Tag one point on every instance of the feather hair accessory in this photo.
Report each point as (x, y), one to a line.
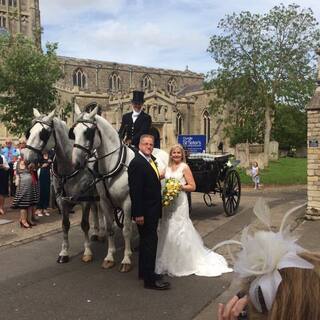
(263, 254)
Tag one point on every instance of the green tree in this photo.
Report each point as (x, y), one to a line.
(265, 60)
(27, 79)
(289, 127)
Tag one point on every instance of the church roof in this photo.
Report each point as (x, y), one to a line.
(134, 68)
(190, 88)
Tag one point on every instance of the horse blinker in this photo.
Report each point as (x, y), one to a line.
(71, 134)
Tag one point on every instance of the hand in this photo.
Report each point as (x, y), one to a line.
(139, 220)
(127, 142)
(232, 309)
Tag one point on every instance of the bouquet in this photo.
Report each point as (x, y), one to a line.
(171, 190)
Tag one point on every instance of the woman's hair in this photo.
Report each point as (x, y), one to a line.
(177, 146)
(298, 294)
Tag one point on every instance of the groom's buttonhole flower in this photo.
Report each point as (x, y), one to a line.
(171, 190)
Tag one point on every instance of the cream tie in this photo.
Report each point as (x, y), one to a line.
(154, 167)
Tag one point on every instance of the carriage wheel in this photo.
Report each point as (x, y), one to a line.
(119, 217)
(231, 192)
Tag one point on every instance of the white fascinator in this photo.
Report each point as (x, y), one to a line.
(263, 254)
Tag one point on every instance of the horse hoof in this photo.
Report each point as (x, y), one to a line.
(94, 238)
(125, 267)
(106, 264)
(63, 259)
(87, 258)
(102, 239)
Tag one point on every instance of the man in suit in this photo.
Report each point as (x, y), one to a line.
(136, 123)
(145, 193)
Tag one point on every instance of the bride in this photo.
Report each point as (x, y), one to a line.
(181, 251)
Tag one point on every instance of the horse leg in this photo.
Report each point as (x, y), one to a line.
(102, 225)
(87, 255)
(126, 264)
(108, 261)
(64, 253)
(96, 222)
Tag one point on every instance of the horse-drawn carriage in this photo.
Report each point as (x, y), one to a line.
(216, 174)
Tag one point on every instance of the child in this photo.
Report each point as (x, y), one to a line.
(255, 175)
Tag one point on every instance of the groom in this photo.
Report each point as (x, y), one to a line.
(145, 193)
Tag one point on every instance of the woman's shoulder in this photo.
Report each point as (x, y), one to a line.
(184, 166)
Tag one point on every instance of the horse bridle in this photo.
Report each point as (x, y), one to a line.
(44, 135)
(89, 134)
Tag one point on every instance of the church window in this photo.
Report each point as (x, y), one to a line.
(179, 123)
(79, 79)
(3, 2)
(146, 82)
(2, 21)
(172, 86)
(206, 125)
(115, 82)
(12, 3)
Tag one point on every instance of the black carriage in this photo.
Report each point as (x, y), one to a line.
(217, 174)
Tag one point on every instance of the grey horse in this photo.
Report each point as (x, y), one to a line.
(49, 132)
(93, 132)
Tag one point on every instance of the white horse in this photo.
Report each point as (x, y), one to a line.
(92, 132)
(71, 186)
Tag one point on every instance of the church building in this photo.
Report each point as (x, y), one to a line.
(176, 100)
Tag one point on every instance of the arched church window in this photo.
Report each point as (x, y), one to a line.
(12, 3)
(172, 86)
(179, 123)
(3, 21)
(146, 82)
(115, 82)
(79, 79)
(206, 125)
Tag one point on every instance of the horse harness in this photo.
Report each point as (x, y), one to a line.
(120, 164)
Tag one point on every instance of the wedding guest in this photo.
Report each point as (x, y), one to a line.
(181, 251)
(4, 167)
(27, 195)
(136, 123)
(280, 279)
(145, 194)
(11, 154)
(44, 185)
(292, 300)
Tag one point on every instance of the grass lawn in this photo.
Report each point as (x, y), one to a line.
(285, 171)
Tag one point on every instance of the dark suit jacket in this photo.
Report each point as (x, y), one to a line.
(134, 131)
(145, 189)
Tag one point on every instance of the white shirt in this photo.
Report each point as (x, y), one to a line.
(147, 158)
(135, 115)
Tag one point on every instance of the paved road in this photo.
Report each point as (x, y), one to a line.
(33, 286)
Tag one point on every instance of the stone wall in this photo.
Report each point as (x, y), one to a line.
(249, 153)
(313, 209)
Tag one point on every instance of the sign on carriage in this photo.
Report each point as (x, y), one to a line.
(193, 143)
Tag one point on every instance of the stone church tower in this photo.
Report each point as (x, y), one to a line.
(21, 16)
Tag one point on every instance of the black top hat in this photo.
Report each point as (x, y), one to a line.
(138, 97)
(88, 108)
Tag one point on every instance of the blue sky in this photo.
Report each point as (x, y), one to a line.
(169, 34)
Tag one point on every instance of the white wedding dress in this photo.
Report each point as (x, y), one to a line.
(181, 251)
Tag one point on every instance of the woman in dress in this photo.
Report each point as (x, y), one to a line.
(4, 185)
(44, 184)
(181, 251)
(27, 193)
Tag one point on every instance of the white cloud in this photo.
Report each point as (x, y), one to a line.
(159, 33)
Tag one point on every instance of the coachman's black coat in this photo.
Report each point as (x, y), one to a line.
(145, 193)
(134, 131)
